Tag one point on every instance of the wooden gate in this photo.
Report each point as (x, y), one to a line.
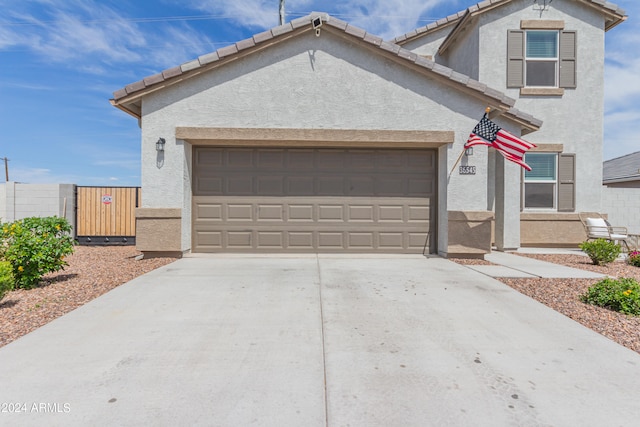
(106, 215)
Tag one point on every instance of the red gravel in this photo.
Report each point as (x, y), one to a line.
(92, 271)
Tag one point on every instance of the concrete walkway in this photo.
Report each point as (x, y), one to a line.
(317, 341)
(516, 266)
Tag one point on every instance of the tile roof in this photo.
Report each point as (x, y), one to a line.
(621, 169)
(616, 14)
(128, 98)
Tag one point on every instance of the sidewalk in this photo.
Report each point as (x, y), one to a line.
(516, 266)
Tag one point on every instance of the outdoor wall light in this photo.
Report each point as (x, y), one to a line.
(160, 144)
(469, 151)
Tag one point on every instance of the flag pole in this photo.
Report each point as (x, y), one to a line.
(486, 110)
(457, 161)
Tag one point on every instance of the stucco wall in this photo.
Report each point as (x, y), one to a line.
(19, 201)
(428, 45)
(623, 207)
(574, 119)
(307, 82)
(463, 54)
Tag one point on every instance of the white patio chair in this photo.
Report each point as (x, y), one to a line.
(597, 227)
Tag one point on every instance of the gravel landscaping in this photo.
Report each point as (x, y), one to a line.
(93, 271)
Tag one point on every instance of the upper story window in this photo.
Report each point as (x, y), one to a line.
(541, 59)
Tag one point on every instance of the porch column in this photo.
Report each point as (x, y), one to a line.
(507, 228)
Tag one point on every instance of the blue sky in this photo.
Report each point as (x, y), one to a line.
(61, 60)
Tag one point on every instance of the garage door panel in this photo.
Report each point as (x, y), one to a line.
(418, 213)
(270, 239)
(240, 158)
(330, 240)
(270, 185)
(300, 200)
(387, 213)
(300, 185)
(270, 213)
(330, 160)
(300, 160)
(209, 240)
(301, 240)
(391, 240)
(361, 186)
(301, 213)
(361, 213)
(270, 159)
(330, 186)
(330, 213)
(209, 185)
(418, 240)
(209, 212)
(358, 240)
(242, 212)
(240, 185)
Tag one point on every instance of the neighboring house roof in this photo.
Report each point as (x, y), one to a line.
(129, 98)
(614, 15)
(622, 169)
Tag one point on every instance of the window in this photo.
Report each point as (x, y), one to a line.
(551, 182)
(541, 182)
(541, 59)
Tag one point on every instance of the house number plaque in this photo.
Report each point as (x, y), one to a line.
(467, 170)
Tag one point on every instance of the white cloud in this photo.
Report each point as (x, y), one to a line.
(29, 175)
(92, 37)
(180, 44)
(384, 18)
(388, 19)
(621, 134)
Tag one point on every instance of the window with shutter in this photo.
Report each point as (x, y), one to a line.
(541, 58)
(551, 182)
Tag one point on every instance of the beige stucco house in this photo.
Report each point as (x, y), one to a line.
(316, 136)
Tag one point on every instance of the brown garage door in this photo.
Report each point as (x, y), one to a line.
(313, 200)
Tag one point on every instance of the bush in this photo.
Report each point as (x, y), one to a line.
(36, 246)
(601, 251)
(634, 258)
(6, 278)
(621, 295)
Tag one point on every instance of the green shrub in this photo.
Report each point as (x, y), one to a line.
(634, 258)
(36, 246)
(6, 278)
(621, 295)
(601, 251)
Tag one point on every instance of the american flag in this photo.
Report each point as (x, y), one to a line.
(510, 146)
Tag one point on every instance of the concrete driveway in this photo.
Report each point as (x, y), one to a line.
(317, 341)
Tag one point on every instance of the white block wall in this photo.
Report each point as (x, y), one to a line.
(19, 201)
(623, 207)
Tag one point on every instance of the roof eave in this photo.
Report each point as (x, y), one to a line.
(129, 98)
(631, 178)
